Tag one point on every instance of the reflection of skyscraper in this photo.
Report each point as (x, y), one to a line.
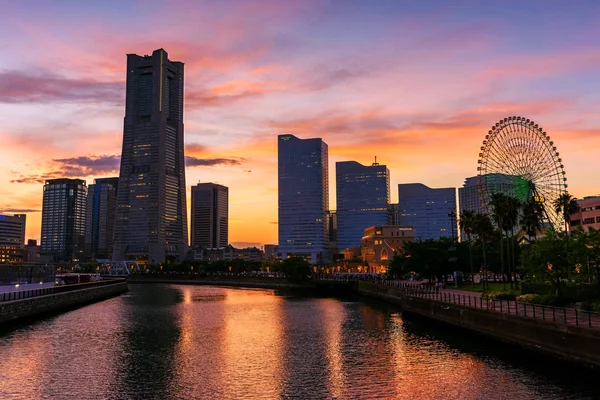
(151, 222)
(100, 218)
(210, 215)
(63, 220)
(303, 198)
(363, 195)
(427, 210)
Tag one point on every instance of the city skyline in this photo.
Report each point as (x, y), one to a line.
(270, 75)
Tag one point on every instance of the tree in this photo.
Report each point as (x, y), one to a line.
(468, 221)
(296, 269)
(513, 208)
(485, 230)
(500, 210)
(566, 205)
(531, 217)
(547, 259)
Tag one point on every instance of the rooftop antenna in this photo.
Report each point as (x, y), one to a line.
(375, 163)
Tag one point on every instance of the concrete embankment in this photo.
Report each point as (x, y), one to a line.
(318, 288)
(240, 282)
(576, 343)
(14, 311)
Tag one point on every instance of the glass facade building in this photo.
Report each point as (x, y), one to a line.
(12, 236)
(210, 216)
(151, 215)
(303, 198)
(100, 218)
(470, 196)
(363, 195)
(428, 210)
(63, 220)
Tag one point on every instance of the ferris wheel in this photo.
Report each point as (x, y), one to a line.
(518, 159)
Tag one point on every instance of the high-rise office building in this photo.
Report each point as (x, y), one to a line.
(63, 220)
(100, 218)
(12, 236)
(431, 212)
(151, 221)
(210, 216)
(470, 195)
(303, 196)
(393, 214)
(363, 195)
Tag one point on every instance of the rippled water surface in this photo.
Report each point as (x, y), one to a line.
(199, 342)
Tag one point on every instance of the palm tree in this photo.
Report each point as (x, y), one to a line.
(484, 229)
(513, 209)
(500, 210)
(531, 219)
(566, 205)
(468, 223)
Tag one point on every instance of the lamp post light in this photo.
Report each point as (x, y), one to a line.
(452, 215)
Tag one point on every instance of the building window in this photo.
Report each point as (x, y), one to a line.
(384, 254)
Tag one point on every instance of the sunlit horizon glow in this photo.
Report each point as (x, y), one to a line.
(417, 84)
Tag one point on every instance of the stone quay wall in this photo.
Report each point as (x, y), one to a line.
(30, 308)
(575, 343)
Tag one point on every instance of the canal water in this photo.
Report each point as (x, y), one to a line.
(200, 342)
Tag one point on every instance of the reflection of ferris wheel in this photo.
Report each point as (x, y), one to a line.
(518, 159)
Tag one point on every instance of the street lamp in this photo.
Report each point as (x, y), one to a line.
(452, 215)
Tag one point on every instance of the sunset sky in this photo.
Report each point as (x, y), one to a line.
(415, 83)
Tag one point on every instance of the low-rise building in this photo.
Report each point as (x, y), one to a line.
(272, 251)
(31, 252)
(380, 243)
(588, 214)
(229, 253)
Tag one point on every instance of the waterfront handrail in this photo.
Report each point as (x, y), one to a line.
(560, 315)
(29, 293)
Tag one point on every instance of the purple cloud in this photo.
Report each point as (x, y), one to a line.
(23, 87)
(210, 162)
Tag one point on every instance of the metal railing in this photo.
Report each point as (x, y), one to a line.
(29, 293)
(563, 315)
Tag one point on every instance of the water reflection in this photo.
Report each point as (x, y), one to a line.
(147, 367)
(186, 342)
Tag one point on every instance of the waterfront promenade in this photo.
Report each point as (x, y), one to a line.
(566, 315)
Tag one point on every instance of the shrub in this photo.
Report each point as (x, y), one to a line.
(591, 305)
(555, 301)
(498, 296)
(536, 288)
(530, 298)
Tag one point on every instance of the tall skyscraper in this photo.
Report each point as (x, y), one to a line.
(363, 195)
(63, 220)
(210, 215)
(12, 236)
(303, 198)
(100, 218)
(151, 222)
(427, 210)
